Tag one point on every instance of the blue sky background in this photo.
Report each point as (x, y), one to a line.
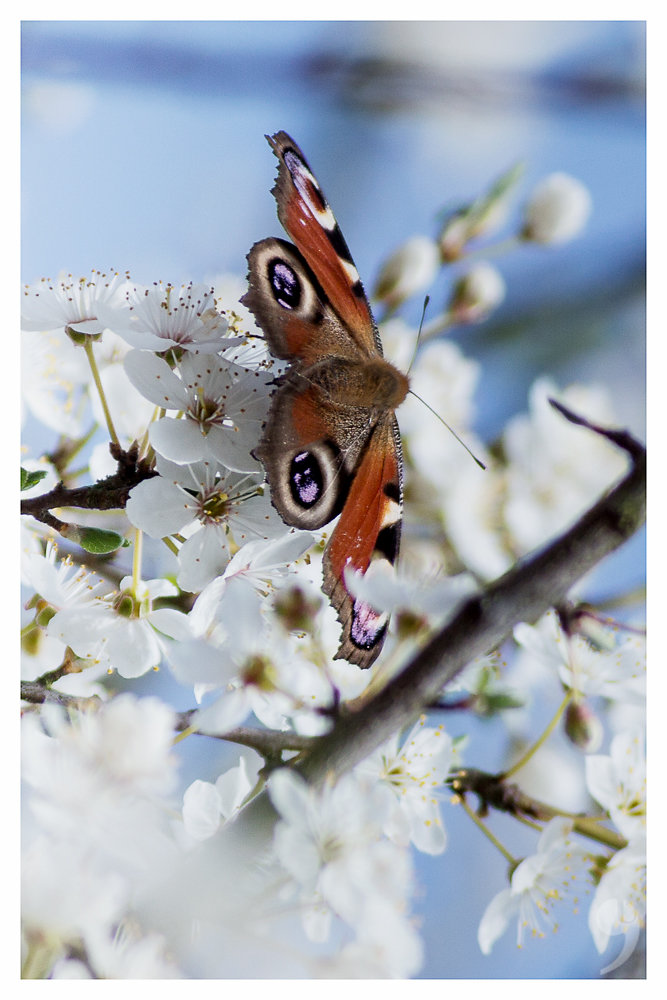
(143, 149)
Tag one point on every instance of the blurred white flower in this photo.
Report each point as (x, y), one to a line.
(618, 783)
(618, 673)
(130, 953)
(555, 469)
(58, 106)
(557, 210)
(470, 502)
(446, 380)
(206, 804)
(537, 884)
(55, 380)
(66, 896)
(619, 904)
(330, 843)
(409, 270)
(96, 829)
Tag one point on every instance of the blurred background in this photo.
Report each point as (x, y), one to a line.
(143, 149)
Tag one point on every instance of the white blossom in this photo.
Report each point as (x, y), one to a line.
(557, 210)
(223, 407)
(163, 316)
(618, 782)
(412, 774)
(71, 302)
(216, 509)
(119, 629)
(330, 843)
(618, 673)
(206, 804)
(477, 293)
(446, 380)
(619, 904)
(55, 380)
(472, 516)
(131, 953)
(538, 883)
(96, 791)
(246, 661)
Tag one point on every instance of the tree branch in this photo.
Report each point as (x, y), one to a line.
(107, 494)
(269, 743)
(485, 620)
(492, 790)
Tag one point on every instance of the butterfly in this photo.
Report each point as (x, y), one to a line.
(331, 443)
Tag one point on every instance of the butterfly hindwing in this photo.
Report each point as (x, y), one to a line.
(369, 530)
(310, 448)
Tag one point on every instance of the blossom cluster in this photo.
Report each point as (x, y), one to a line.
(127, 874)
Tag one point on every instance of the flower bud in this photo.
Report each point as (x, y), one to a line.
(582, 726)
(454, 236)
(477, 294)
(557, 210)
(480, 218)
(409, 270)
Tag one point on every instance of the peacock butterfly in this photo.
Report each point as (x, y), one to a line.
(331, 443)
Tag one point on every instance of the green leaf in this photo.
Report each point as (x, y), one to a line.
(30, 479)
(99, 541)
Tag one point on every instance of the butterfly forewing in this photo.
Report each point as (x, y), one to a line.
(308, 219)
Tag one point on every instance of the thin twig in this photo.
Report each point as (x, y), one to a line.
(106, 494)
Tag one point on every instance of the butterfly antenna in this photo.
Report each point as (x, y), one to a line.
(450, 429)
(427, 299)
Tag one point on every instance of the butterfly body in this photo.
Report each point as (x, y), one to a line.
(331, 443)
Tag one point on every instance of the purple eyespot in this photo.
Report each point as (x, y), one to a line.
(306, 480)
(368, 626)
(285, 284)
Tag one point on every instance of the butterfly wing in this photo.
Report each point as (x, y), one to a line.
(310, 448)
(307, 218)
(331, 443)
(369, 529)
(291, 307)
